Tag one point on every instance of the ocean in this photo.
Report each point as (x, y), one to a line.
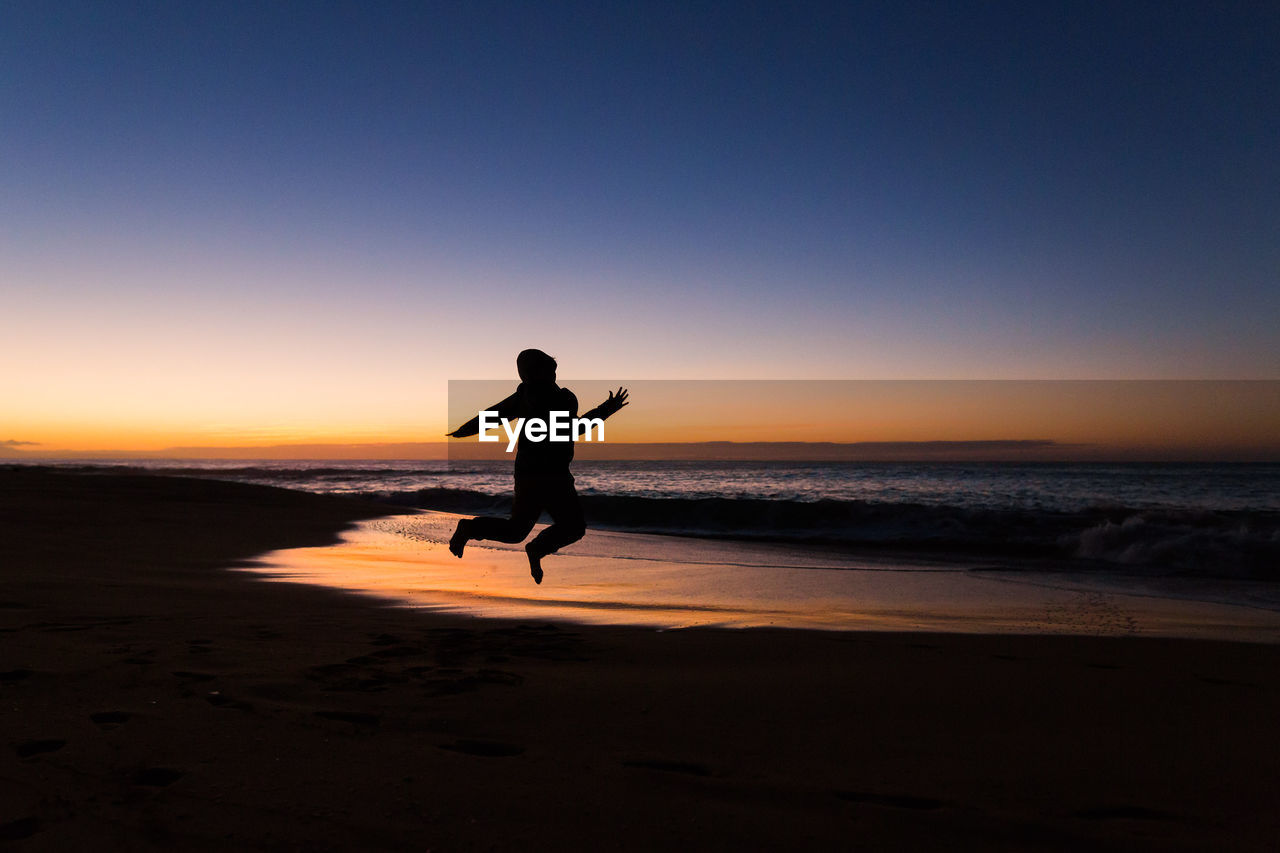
(1214, 520)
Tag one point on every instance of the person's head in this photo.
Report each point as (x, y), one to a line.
(536, 367)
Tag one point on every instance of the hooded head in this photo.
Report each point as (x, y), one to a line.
(536, 367)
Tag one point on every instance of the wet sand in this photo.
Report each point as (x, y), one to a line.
(666, 582)
(152, 699)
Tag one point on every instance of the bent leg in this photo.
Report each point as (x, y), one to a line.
(568, 524)
(525, 510)
(512, 529)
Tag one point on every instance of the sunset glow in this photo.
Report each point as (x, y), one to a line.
(196, 251)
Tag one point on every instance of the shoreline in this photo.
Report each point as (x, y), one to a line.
(1090, 522)
(668, 583)
(154, 699)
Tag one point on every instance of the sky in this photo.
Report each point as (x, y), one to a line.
(229, 224)
(1085, 420)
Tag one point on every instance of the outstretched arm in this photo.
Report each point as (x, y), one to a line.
(505, 409)
(610, 406)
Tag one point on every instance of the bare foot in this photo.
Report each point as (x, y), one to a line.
(535, 563)
(459, 540)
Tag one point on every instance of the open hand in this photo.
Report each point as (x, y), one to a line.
(616, 400)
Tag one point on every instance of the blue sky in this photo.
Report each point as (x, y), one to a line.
(212, 202)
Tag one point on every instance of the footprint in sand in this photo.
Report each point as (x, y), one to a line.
(187, 675)
(895, 801)
(28, 748)
(16, 830)
(451, 681)
(108, 720)
(360, 718)
(351, 677)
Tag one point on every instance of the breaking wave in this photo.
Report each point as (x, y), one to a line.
(1242, 544)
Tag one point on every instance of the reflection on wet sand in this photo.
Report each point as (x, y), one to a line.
(671, 582)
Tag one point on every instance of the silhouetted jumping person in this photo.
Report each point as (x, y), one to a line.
(543, 481)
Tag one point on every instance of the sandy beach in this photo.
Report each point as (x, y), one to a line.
(157, 695)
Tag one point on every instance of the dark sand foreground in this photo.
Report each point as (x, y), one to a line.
(152, 700)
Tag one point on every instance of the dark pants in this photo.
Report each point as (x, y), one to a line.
(535, 494)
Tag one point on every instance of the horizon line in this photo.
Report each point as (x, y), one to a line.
(933, 450)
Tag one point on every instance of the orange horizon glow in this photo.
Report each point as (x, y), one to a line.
(1113, 414)
(1193, 416)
